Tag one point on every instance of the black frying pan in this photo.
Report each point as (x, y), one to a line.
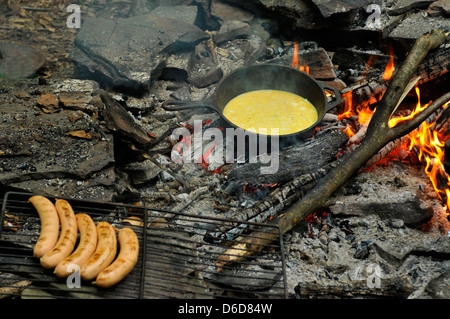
(266, 77)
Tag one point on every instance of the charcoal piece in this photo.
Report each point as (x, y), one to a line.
(317, 60)
(388, 195)
(362, 251)
(350, 58)
(295, 160)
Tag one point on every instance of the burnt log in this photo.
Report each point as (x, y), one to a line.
(389, 287)
(297, 160)
(370, 90)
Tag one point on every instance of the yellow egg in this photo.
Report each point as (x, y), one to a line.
(269, 109)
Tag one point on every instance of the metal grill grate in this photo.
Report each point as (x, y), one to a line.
(176, 259)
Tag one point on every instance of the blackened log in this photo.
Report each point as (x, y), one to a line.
(388, 287)
(370, 91)
(297, 160)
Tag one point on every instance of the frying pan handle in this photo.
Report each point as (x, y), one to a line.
(337, 97)
(176, 105)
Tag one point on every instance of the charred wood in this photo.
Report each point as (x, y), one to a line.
(388, 287)
(297, 160)
(367, 92)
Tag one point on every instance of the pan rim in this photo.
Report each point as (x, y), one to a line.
(290, 135)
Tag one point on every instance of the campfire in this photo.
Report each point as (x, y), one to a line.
(356, 204)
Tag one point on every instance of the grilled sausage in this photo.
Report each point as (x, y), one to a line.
(68, 237)
(104, 253)
(125, 262)
(85, 249)
(49, 225)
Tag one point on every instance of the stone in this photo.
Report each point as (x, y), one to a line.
(142, 172)
(438, 288)
(231, 30)
(439, 8)
(75, 100)
(119, 120)
(296, 14)
(128, 54)
(387, 195)
(225, 12)
(418, 24)
(48, 100)
(331, 7)
(403, 6)
(19, 61)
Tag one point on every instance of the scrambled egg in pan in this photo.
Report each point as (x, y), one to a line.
(262, 110)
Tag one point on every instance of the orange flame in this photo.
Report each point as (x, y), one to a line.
(295, 57)
(430, 145)
(348, 130)
(390, 67)
(362, 111)
(295, 61)
(394, 121)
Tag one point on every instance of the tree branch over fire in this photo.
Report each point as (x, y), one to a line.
(378, 135)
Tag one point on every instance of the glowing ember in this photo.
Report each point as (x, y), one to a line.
(186, 141)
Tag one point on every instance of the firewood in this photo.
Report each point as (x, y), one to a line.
(290, 164)
(371, 91)
(378, 135)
